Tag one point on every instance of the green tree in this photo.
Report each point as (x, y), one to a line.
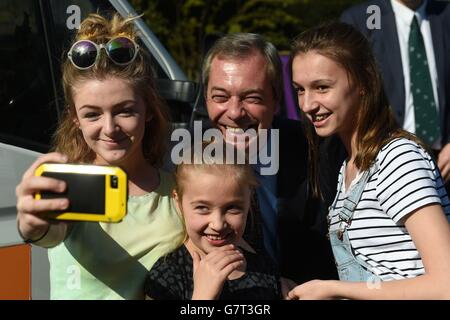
(183, 25)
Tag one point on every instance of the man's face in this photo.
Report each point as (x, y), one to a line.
(239, 96)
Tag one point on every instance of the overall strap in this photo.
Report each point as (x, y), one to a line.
(350, 202)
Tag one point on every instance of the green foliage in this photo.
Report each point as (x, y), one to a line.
(183, 25)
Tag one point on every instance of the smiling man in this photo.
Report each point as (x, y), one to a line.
(240, 97)
(242, 78)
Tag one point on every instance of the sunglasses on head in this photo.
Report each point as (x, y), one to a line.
(84, 53)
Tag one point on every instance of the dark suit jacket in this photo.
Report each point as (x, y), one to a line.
(305, 252)
(386, 49)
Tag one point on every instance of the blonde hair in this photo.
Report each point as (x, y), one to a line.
(199, 162)
(68, 139)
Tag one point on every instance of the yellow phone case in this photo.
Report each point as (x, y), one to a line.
(99, 193)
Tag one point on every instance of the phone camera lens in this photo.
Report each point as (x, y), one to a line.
(114, 182)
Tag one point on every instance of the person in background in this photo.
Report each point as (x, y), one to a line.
(411, 47)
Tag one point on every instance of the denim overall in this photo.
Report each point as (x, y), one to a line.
(349, 268)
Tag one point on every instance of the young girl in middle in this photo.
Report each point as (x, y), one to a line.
(214, 262)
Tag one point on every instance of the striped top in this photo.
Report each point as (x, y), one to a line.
(406, 179)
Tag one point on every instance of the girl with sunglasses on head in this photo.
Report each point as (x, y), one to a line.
(114, 116)
(388, 225)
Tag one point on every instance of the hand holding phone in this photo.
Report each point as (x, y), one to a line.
(31, 225)
(95, 193)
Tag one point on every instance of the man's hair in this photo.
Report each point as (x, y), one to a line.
(68, 138)
(243, 45)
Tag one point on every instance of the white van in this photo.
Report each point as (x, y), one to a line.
(34, 34)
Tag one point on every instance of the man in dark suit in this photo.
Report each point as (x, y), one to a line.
(242, 79)
(405, 27)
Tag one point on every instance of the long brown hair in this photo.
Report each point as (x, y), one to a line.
(375, 124)
(68, 139)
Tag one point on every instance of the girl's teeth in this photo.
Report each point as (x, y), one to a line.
(321, 117)
(214, 237)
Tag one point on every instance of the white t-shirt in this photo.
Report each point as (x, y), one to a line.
(407, 179)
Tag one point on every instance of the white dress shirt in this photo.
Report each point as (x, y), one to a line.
(403, 18)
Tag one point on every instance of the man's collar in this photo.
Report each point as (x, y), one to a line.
(406, 15)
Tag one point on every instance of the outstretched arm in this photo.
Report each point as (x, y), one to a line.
(30, 224)
(430, 232)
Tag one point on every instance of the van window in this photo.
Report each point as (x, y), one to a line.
(63, 29)
(27, 100)
(64, 32)
(35, 35)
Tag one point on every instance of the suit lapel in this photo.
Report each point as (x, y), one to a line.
(393, 68)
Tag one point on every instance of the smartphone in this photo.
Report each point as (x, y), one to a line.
(95, 193)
